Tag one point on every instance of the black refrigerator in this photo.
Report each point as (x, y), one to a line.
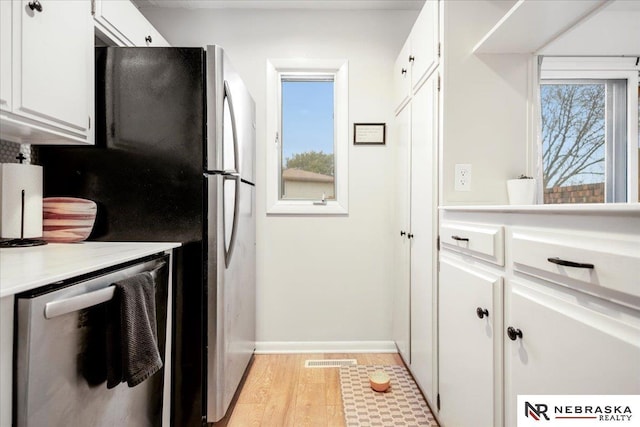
(174, 161)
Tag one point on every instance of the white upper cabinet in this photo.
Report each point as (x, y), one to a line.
(418, 57)
(123, 25)
(51, 98)
(5, 55)
(401, 77)
(424, 44)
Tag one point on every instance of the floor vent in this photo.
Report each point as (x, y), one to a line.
(329, 363)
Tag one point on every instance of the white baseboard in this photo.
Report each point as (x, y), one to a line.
(274, 347)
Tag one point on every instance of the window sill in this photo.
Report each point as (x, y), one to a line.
(305, 207)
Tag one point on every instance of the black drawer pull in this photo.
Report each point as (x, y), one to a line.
(566, 263)
(460, 239)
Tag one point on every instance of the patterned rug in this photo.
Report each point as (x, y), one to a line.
(401, 405)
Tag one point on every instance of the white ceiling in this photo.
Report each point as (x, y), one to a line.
(283, 4)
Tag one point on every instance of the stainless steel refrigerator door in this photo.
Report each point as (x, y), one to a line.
(231, 290)
(230, 119)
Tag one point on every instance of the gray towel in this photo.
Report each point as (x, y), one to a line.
(132, 344)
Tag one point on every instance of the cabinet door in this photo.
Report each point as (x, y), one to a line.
(401, 319)
(571, 343)
(469, 369)
(423, 224)
(424, 43)
(401, 77)
(122, 23)
(5, 55)
(53, 76)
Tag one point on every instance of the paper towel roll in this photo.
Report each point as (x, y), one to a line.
(14, 178)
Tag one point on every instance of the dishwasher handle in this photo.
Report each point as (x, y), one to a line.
(68, 305)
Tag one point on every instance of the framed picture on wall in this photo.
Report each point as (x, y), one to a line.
(369, 133)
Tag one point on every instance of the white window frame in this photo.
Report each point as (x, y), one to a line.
(618, 68)
(276, 69)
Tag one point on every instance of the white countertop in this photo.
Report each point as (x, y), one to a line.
(620, 209)
(22, 269)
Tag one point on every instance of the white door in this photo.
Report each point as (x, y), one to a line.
(467, 340)
(424, 42)
(571, 343)
(423, 237)
(53, 78)
(401, 320)
(5, 55)
(402, 76)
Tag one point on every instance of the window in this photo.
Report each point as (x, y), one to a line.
(584, 140)
(588, 131)
(307, 161)
(307, 142)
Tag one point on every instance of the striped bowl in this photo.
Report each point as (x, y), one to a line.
(67, 219)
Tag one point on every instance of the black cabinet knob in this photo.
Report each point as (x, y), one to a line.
(481, 312)
(410, 236)
(514, 333)
(404, 71)
(402, 233)
(148, 39)
(35, 5)
(412, 58)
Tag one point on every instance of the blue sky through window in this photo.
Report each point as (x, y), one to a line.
(307, 117)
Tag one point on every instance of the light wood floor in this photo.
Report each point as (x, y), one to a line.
(280, 392)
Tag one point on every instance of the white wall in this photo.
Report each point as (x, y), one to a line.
(319, 279)
(485, 108)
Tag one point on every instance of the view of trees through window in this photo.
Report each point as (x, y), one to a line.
(573, 142)
(308, 162)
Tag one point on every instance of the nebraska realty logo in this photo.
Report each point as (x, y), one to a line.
(578, 410)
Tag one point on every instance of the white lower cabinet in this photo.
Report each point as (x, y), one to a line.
(567, 342)
(470, 345)
(566, 320)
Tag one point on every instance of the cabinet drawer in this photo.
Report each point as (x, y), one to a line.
(482, 241)
(578, 259)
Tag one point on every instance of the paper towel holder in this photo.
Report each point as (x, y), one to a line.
(21, 242)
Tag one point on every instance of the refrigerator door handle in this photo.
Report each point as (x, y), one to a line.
(234, 131)
(234, 226)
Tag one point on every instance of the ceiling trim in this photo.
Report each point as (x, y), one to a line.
(284, 4)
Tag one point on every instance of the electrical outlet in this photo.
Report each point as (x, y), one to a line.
(463, 178)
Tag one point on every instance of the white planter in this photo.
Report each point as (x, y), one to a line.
(521, 191)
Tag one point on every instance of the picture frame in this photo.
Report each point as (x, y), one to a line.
(369, 133)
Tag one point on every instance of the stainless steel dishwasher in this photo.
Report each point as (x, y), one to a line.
(60, 354)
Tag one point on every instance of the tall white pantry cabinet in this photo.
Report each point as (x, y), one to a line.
(415, 136)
